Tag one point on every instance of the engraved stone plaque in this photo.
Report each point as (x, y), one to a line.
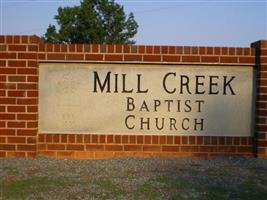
(146, 99)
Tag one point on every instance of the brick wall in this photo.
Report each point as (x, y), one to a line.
(261, 111)
(19, 137)
(18, 96)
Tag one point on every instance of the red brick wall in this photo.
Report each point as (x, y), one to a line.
(261, 110)
(18, 96)
(19, 137)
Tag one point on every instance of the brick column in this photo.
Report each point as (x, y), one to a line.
(261, 101)
(18, 95)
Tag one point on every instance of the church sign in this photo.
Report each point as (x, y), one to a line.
(142, 99)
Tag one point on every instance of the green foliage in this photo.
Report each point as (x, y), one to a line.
(94, 21)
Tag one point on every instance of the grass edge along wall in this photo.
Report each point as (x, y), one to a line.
(20, 57)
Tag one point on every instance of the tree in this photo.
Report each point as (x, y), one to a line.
(94, 21)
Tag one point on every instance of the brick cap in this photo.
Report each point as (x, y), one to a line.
(259, 44)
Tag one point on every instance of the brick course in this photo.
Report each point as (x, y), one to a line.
(19, 137)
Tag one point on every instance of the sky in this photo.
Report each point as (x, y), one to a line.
(235, 23)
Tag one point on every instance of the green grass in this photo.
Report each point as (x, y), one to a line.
(247, 190)
(148, 191)
(215, 192)
(167, 181)
(171, 182)
(178, 188)
(155, 189)
(251, 190)
(24, 188)
(109, 189)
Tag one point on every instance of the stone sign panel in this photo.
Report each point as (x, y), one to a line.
(145, 99)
